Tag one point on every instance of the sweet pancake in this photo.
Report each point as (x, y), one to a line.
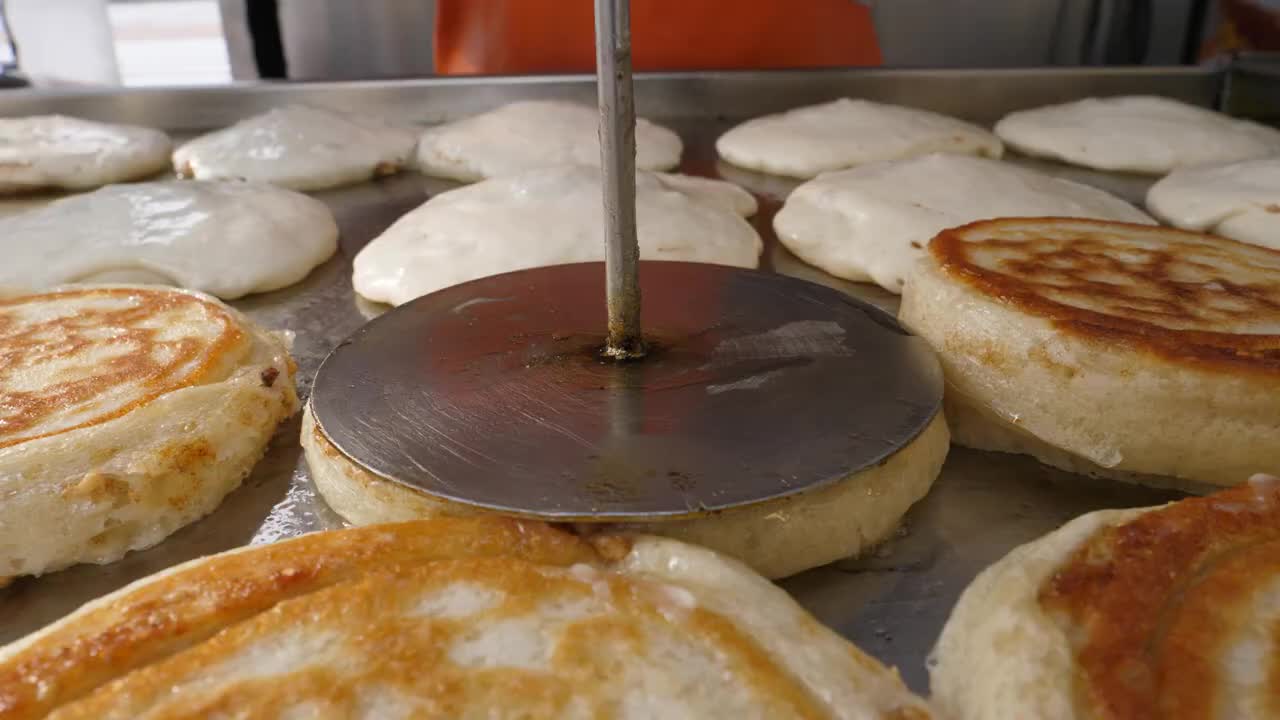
(449, 618)
(299, 147)
(1165, 612)
(1136, 133)
(224, 238)
(845, 133)
(57, 152)
(776, 539)
(1236, 200)
(125, 413)
(533, 134)
(549, 217)
(872, 222)
(1110, 349)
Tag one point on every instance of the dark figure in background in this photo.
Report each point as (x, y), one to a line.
(263, 17)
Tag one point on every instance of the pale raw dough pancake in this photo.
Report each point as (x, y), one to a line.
(299, 147)
(451, 619)
(1142, 134)
(1164, 612)
(530, 135)
(45, 152)
(551, 217)
(845, 133)
(126, 412)
(873, 222)
(1110, 349)
(776, 539)
(1236, 200)
(225, 238)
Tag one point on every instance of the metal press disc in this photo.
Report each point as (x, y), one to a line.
(756, 386)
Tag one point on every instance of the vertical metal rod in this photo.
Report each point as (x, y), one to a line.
(618, 173)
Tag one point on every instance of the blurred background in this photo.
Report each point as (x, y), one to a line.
(200, 42)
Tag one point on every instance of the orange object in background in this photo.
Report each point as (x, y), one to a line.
(1244, 25)
(510, 37)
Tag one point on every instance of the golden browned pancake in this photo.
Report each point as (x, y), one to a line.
(125, 413)
(1112, 349)
(77, 358)
(1167, 612)
(449, 618)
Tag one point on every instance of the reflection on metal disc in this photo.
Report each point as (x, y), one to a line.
(493, 393)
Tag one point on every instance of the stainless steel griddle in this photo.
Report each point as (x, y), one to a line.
(892, 602)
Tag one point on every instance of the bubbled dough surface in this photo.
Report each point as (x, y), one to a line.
(533, 134)
(299, 147)
(44, 152)
(873, 222)
(550, 217)
(1239, 200)
(224, 238)
(1136, 133)
(845, 133)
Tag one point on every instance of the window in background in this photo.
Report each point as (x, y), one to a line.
(169, 42)
(63, 41)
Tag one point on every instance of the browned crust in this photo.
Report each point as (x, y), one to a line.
(187, 607)
(18, 345)
(1151, 604)
(412, 658)
(142, 646)
(386, 167)
(1200, 348)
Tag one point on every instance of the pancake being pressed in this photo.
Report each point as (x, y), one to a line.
(450, 618)
(776, 538)
(490, 395)
(126, 412)
(1124, 351)
(1158, 612)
